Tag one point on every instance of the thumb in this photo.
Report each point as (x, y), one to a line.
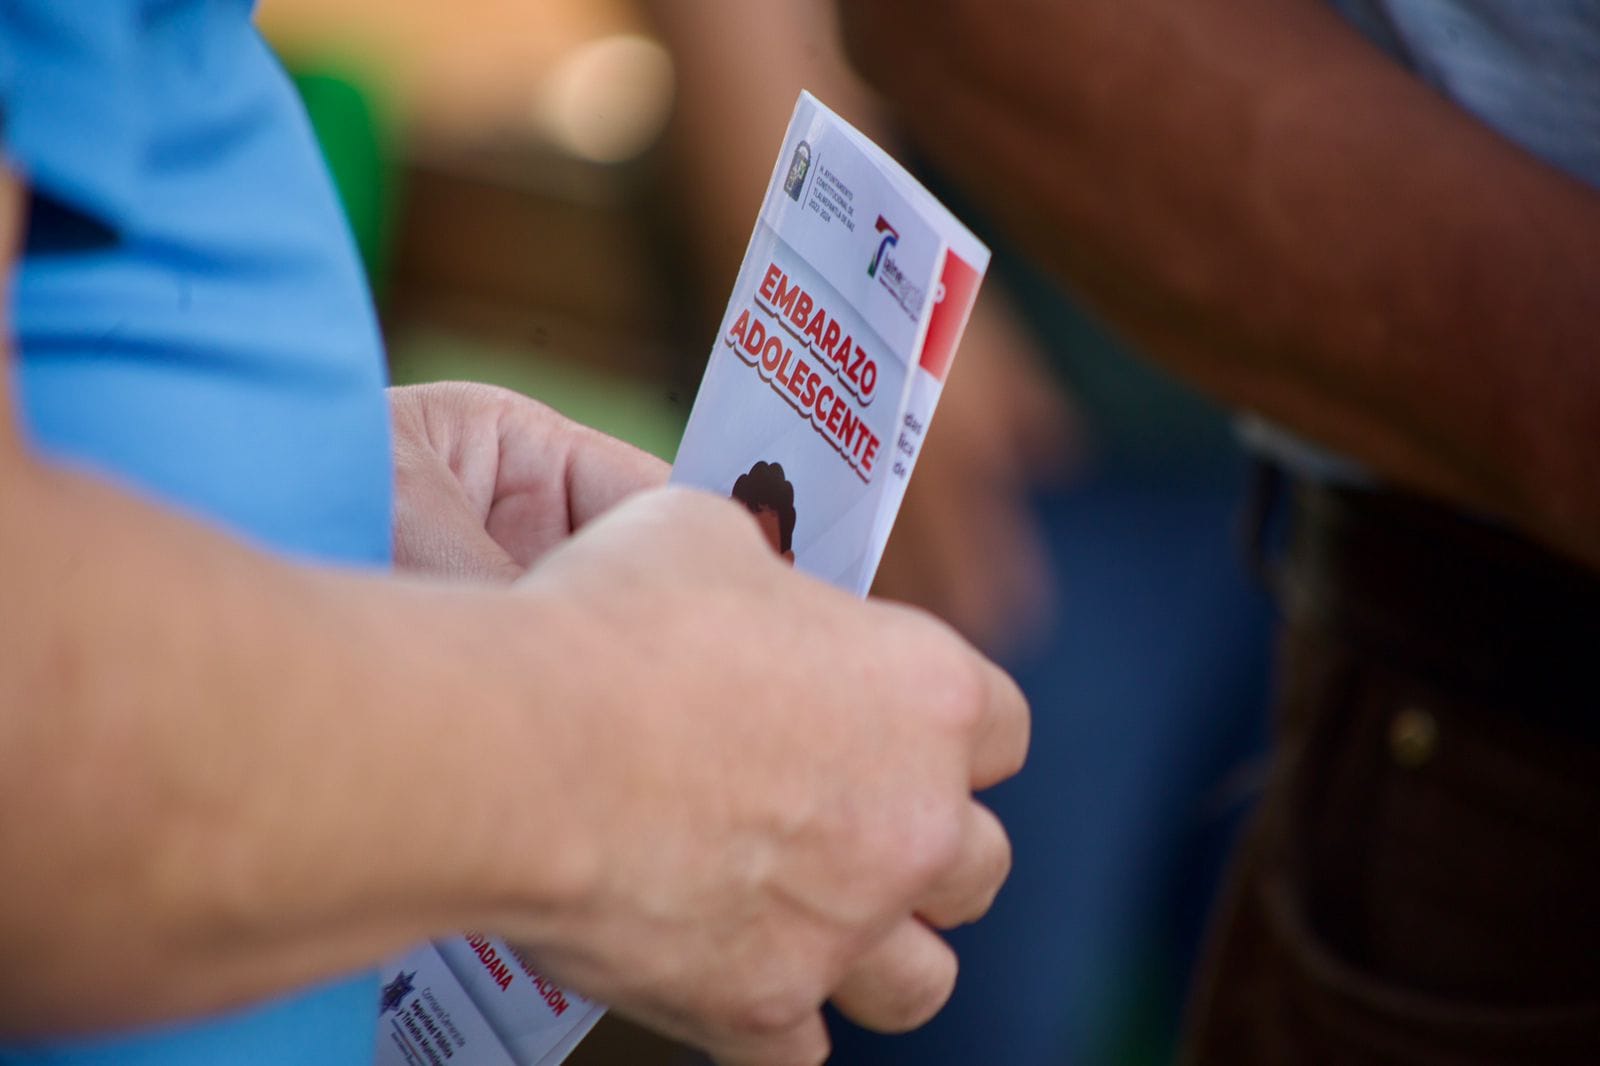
(438, 532)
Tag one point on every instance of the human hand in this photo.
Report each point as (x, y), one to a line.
(487, 480)
(966, 545)
(770, 787)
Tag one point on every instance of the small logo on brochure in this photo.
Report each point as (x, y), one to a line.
(891, 237)
(396, 991)
(888, 273)
(798, 166)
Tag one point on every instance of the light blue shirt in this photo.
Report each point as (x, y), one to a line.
(191, 321)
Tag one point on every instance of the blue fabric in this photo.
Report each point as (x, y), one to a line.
(1529, 70)
(327, 1026)
(191, 321)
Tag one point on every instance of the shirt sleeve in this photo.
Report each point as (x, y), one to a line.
(66, 130)
(5, 84)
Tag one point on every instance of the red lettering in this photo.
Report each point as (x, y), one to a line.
(869, 379)
(554, 998)
(853, 372)
(499, 972)
(794, 373)
(739, 328)
(773, 274)
(798, 377)
(869, 453)
(772, 355)
(755, 337)
(824, 398)
(830, 340)
(784, 301)
(835, 415)
(808, 396)
(847, 428)
(841, 353)
(813, 331)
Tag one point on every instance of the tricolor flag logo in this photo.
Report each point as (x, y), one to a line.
(891, 237)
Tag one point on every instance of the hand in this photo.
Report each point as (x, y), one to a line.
(487, 480)
(966, 545)
(770, 798)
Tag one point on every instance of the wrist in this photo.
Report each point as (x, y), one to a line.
(484, 821)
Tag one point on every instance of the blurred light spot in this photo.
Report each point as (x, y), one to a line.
(1413, 737)
(608, 99)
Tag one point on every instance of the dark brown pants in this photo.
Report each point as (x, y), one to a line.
(1422, 881)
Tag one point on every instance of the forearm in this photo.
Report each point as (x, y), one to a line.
(1274, 209)
(740, 68)
(228, 775)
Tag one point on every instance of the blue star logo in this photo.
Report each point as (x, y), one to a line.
(396, 991)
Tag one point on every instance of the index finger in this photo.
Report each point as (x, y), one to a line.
(556, 476)
(603, 471)
(1000, 745)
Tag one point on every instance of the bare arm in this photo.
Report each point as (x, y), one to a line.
(739, 69)
(1276, 210)
(222, 775)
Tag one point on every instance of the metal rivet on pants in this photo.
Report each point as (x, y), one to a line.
(1413, 737)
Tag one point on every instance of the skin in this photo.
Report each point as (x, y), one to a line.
(1273, 208)
(202, 745)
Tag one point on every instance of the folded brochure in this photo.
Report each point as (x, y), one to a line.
(843, 324)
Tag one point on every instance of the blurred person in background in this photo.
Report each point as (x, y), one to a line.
(1087, 543)
(1375, 224)
(240, 762)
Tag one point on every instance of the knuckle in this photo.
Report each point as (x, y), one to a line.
(996, 868)
(920, 999)
(958, 689)
(1001, 861)
(1015, 754)
(769, 1015)
(946, 674)
(721, 525)
(932, 844)
(809, 1049)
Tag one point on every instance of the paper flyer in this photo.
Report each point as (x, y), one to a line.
(844, 320)
(843, 323)
(474, 1000)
